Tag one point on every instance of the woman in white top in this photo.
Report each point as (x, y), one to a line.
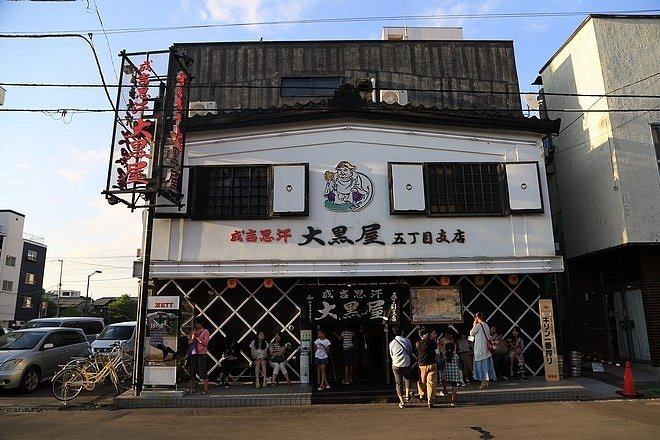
(259, 351)
(483, 360)
(322, 359)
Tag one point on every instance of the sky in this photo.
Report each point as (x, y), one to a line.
(53, 167)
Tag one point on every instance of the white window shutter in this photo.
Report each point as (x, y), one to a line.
(290, 189)
(407, 191)
(524, 187)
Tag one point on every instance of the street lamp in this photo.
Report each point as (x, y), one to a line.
(87, 294)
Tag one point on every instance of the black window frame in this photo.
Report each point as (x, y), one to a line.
(200, 211)
(32, 255)
(310, 90)
(498, 170)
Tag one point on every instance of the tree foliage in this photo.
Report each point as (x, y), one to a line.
(122, 309)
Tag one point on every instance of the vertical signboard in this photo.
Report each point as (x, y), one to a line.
(305, 350)
(161, 340)
(548, 342)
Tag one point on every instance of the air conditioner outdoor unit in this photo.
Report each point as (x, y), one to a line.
(394, 97)
(202, 108)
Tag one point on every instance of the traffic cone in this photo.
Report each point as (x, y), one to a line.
(628, 383)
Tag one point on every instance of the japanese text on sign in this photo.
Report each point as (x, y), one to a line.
(338, 236)
(137, 138)
(548, 344)
(343, 303)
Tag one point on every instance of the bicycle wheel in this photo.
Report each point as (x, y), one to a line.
(125, 375)
(67, 384)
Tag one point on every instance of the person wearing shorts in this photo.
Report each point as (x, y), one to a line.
(322, 359)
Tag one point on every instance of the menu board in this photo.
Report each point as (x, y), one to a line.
(436, 305)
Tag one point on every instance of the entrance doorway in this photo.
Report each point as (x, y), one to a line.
(627, 325)
(370, 364)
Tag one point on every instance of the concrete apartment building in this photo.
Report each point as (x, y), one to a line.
(605, 183)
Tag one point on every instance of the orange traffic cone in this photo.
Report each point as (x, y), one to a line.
(628, 383)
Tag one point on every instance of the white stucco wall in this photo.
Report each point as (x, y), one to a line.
(370, 148)
(630, 51)
(12, 228)
(606, 171)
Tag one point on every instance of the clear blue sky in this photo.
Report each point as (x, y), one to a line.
(53, 169)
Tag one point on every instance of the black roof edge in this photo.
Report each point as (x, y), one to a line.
(453, 118)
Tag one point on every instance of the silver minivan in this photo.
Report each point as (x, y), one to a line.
(90, 325)
(31, 356)
(122, 332)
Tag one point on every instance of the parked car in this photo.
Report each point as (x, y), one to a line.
(122, 332)
(90, 325)
(31, 356)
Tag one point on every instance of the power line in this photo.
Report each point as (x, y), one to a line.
(235, 86)
(505, 15)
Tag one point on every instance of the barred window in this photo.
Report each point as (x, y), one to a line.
(465, 188)
(231, 192)
(309, 86)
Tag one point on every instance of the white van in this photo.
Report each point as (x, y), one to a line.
(90, 325)
(123, 332)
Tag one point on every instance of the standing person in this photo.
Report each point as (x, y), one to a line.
(277, 352)
(401, 354)
(199, 338)
(427, 368)
(347, 337)
(322, 359)
(259, 352)
(228, 361)
(465, 353)
(500, 353)
(452, 372)
(483, 360)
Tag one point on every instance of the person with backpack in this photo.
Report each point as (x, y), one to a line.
(401, 355)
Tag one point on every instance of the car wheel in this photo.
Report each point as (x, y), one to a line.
(30, 380)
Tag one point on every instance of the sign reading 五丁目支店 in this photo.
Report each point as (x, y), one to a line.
(548, 342)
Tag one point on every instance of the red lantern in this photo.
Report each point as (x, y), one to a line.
(479, 280)
(268, 283)
(444, 281)
(513, 279)
(231, 283)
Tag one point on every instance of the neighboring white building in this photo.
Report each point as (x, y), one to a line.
(22, 260)
(607, 182)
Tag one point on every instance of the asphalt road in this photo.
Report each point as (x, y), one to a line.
(553, 420)
(42, 399)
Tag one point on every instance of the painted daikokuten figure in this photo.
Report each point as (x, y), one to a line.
(347, 189)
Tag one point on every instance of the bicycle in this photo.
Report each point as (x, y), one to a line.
(86, 373)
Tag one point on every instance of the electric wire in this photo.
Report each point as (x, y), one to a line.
(427, 17)
(234, 86)
(302, 110)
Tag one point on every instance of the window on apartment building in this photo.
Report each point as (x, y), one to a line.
(309, 86)
(32, 256)
(465, 189)
(7, 286)
(231, 192)
(29, 278)
(10, 261)
(27, 302)
(655, 133)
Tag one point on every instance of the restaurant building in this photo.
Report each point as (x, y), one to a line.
(357, 183)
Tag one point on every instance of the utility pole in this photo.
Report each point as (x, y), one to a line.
(59, 289)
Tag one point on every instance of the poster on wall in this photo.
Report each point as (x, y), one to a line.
(161, 340)
(436, 305)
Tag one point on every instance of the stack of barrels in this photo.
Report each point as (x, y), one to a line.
(574, 364)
